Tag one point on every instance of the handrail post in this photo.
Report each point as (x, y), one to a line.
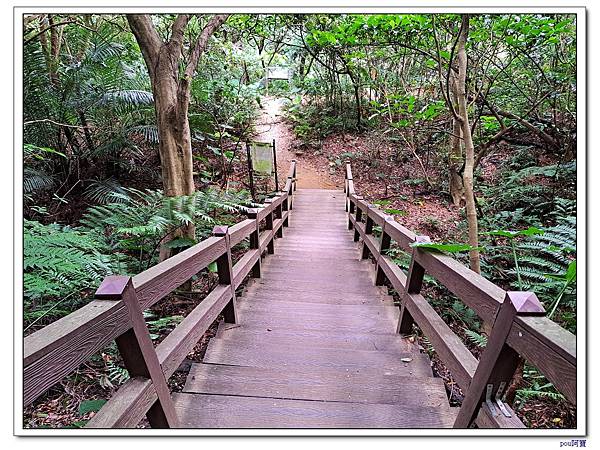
(294, 176)
(284, 209)
(384, 245)
(347, 183)
(137, 350)
(358, 218)
(351, 208)
(269, 225)
(498, 361)
(225, 271)
(254, 241)
(368, 230)
(414, 283)
(278, 215)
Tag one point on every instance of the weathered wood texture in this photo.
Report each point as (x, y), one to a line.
(316, 341)
(539, 340)
(56, 350)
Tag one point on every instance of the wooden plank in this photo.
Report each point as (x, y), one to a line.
(356, 286)
(221, 411)
(242, 268)
(486, 419)
(282, 307)
(364, 324)
(264, 211)
(315, 338)
(57, 349)
(264, 238)
(180, 342)
(241, 230)
(322, 385)
(137, 350)
(372, 244)
(401, 235)
(159, 280)
(550, 348)
(265, 355)
(394, 274)
(127, 406)
(475, 291)
(301, 295)
(450, 349)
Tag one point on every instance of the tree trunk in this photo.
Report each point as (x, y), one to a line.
(468, 142)
(171, 92)
(455, 160)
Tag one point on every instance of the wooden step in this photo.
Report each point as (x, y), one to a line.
(268, 306)
(246, 335)
(352, 285)
(224, 411)
(323, 385)
(265, 355)
(317, 297)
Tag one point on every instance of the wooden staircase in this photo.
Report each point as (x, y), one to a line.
(314, 341)
(315, 345)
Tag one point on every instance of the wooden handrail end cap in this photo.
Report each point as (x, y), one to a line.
(220, 230)
(112, 287)
(525, 303)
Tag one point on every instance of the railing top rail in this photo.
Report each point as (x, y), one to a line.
(542, 342)
(57, 349)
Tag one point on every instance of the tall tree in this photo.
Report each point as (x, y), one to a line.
(462, 115)
(171, 89)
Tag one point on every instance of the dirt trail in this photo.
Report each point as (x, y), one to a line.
(271, 125)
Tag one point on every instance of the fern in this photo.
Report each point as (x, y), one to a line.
(62, 263)
(479, 340)
(105, 191)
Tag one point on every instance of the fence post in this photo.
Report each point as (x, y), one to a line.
(294, 176)
(358, 218)
(368, 230)
(254, 243)
(284, 208)
(414, 283)
(137, 350)
(351, 208)
(279, 214)
(384, 245)
(269, 225)
(225, 271)
(498, 361)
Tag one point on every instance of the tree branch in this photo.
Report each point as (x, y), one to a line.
(202, 42)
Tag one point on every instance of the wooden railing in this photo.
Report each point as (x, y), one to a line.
(519, 327)
(116, 314)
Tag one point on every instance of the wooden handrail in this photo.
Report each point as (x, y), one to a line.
(59, 348)
(538, 339)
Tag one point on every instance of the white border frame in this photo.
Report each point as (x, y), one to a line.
(425, 6)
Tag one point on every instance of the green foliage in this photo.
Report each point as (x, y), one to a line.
(63, 263)
(88, 406)
(537, 388)
(479, 340)
(137, 221)
(448, 248)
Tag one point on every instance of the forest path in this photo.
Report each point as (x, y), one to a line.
(272, 125)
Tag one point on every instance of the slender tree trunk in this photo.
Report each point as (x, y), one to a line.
(455, 160)
(468, 142)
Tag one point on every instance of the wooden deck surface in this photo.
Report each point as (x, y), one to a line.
(316, 343)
